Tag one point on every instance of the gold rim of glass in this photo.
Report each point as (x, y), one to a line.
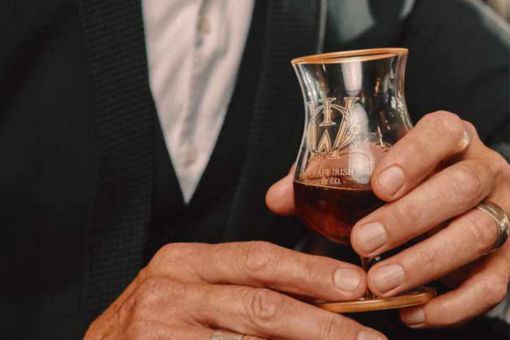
(351, 56)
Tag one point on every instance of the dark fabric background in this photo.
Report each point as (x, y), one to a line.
(56, 163)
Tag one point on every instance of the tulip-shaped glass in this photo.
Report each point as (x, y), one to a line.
(355, 112)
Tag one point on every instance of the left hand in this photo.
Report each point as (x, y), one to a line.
(433, 179)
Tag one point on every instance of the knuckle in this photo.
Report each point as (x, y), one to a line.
(265, 307)
(327, 328)
(416, 147)
(154, 289)
(258, 257)
(494, 290)
(427, 261)
(167, 257)
(469, 126)
(177, 291)
(330, 328)
(499, 163)
(316, 272)
(153, 285)
(404, 212)
(465, 182)
(172, 251)
(482, 231)
(446, 123)
(149, 291)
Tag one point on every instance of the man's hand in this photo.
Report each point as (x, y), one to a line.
(432, 179)
(189, 290)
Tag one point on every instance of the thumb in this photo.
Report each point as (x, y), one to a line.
(280, 196)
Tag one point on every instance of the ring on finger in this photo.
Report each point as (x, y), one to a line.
(496, 213)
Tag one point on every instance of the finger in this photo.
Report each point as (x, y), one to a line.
(150, 330)
(445, 195)
(260, 264)
(157, 331)
(245, 337)
(476, 296)
(268, 314)
(501, 192)
(436, 137)
(160, 308)
(280, 197)
(466, 239)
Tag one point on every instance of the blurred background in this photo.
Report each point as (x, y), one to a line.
(501, 6)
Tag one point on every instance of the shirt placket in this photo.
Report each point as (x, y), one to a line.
(189, 153)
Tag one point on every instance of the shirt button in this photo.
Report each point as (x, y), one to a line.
(204, 25)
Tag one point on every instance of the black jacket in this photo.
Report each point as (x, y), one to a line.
(78, 130)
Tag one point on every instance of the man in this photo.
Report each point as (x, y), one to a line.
(106, 186)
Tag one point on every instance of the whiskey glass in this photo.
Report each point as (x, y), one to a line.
(355, 112)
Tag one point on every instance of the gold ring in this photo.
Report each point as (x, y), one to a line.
(496, 213)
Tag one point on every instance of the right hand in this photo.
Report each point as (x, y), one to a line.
(189, 290)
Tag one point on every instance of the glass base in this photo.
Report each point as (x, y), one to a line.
(418, 296)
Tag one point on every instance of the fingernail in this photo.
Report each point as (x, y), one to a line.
(371, 335)
(391, 179)
(388, 277)
(414, 317)
(347, 279)
(465, 140)
(371, 236)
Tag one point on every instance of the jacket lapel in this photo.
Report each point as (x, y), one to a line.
(125, 116)
(292, 28)
(125, 123)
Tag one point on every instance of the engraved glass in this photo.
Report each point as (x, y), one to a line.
(355, 111)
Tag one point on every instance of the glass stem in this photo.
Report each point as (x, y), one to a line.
(367, 263)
